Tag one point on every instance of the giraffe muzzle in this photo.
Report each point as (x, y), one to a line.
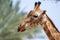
(21, 29)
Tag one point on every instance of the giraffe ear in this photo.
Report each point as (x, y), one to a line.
(44, 11)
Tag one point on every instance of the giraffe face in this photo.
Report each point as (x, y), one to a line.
(32, 19)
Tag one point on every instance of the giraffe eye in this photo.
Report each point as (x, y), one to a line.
(35, 16)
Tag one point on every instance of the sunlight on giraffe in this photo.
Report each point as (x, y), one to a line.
(37, 16)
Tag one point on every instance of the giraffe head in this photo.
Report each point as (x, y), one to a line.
(32, 18)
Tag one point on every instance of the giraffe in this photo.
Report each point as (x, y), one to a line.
(37, 16)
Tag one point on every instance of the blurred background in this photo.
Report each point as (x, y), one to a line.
(13, 12)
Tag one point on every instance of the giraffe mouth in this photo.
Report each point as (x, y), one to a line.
(21, 29)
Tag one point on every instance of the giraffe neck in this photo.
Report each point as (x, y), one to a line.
(48, 27)
(51, 25)
(48, 33)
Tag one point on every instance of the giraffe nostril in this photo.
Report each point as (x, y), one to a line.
(18, 29)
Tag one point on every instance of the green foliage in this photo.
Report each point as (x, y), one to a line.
(9, 20)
